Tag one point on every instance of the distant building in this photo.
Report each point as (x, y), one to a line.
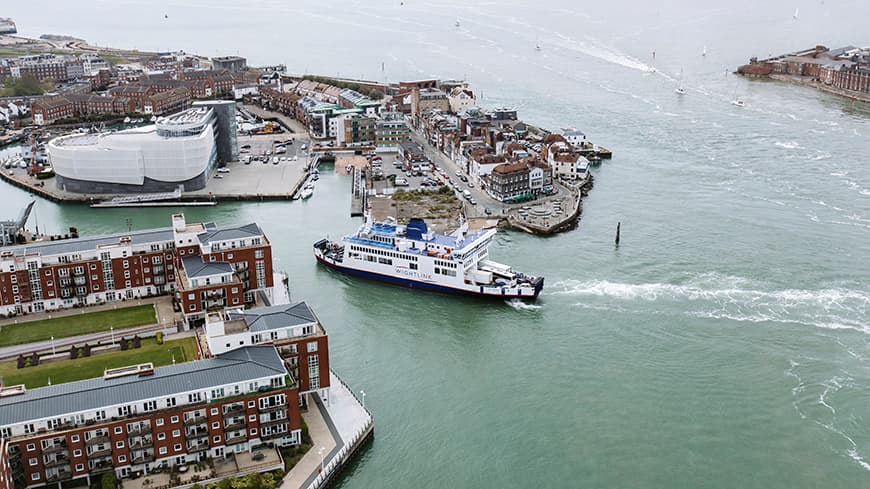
(461, 98)
(426, 99)
(230, 63)
(390, 133)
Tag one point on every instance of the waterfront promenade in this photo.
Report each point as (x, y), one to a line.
(339, 427)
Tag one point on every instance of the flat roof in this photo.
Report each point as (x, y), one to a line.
(275, 317)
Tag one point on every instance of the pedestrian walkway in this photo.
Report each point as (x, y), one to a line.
(321, 438)
(163, 305)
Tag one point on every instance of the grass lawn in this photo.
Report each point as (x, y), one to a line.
(76, 324)
(184, 350)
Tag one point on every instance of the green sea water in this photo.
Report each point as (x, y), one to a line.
(723, 343)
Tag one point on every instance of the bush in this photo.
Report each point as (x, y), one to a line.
(159, 337)
(109, 480)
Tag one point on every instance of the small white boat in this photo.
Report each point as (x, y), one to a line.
(796, 13)
(704, 52)
(680, 90)
(738, 102)
(307, 192)
(127, 120)
(457, 23)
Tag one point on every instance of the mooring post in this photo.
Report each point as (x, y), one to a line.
(618, 224)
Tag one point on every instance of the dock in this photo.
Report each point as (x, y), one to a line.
(358, 192)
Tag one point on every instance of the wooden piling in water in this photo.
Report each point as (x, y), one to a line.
(618, 225)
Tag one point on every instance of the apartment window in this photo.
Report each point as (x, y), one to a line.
(161, 436)
(122, 458)
(119, 444)
(215, 426)
(77, 453)
(93, 267)
(80, 467)
(118, 430)
(150, 405)
(312, 346)
(162, 450)
(158, 422)
(174, 419)
(214, 411)
(34, 476)
(126, 273)
(258, 254)
(170, 401)
(74, 438)
(176, 433)
(34, 462)
(252, 404)
(216, 439)
(126, 264)
(252, 417)
(177, 447)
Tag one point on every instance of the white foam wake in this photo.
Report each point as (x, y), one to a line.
(712, 296)
(519, 305)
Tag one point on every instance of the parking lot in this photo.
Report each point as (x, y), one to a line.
(264, 170)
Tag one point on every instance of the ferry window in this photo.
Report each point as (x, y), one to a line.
(413, 266)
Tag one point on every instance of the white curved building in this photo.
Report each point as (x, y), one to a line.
(178, 150)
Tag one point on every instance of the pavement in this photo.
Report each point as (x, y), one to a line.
(334, 425)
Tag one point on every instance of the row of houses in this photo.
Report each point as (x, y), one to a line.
(50, 110)
(52, 67)
(509, 159)
(846, 68)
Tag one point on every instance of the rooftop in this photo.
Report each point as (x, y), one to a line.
(237, 366)
(250, 230)
(195, 267)
(275, 317)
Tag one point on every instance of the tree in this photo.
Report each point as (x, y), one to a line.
(27, 84)
(109, 480)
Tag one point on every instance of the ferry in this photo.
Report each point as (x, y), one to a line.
(415, 257)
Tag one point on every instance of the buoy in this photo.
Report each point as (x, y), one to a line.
(617, 232)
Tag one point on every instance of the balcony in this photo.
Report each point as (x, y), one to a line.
(80, 281)
(196, 447)
(196, 431)
(232, 440)
(141, 429)
(101, 438)
(81, 292)
(141, 442)
(77, 272)
(235, 424)
(59, 460)
(101, 465)
(142, 457)
(269, 409)
(57, 447)
(273, 421)
(92, 455)
(194, 420)
(59, 475)
(234, 408)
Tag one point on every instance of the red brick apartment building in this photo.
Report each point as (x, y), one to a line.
(138, 418)
(207, 267)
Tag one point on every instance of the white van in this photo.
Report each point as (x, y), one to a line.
(401, 182)
(466, 194)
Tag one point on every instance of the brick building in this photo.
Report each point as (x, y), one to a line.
(48, 110)
(139, 418)
(292, 328)
(166, 102)
(59, 274)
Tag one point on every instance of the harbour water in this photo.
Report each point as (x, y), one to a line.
(725, 342)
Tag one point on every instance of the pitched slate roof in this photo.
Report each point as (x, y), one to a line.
(275, 317)
(194, 267)
(236, 366)
(91, 243)
(230, 232)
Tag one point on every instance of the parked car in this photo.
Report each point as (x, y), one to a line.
(401, 182)
(218, 176)
(223, 170)
(463, 178)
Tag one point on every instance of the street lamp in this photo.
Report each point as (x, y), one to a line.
(112, 330)
(320, 452)
(364, 398)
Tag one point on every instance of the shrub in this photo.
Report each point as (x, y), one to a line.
(159, 337)
(109, 480)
